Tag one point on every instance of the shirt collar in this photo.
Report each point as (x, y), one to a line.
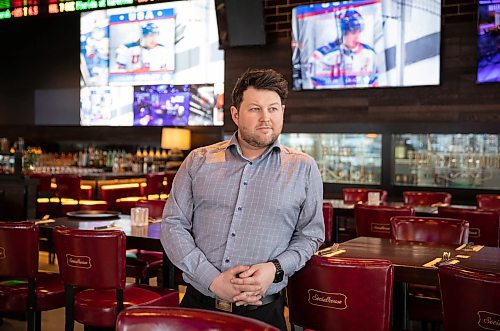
(276, 145)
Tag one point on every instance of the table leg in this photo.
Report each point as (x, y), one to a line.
(168, 273)
(400, 306)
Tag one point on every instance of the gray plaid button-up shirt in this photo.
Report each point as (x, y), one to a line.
(225, 210)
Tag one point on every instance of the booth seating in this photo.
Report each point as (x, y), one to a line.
(421, 198)
(488, 201)
(360, 195)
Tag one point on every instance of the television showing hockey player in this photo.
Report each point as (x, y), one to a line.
(488, 42)
(173, 43)
(142, 46)
(366, 43)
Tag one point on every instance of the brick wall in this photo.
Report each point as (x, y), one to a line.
(278, 14)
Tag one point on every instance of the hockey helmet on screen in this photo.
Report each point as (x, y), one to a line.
(150, 28)
(351, 21)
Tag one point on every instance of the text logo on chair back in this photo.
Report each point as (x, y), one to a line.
(328, 300)
(380, 227)
(488, 321)
(474, 232)
(75, 261)
(2, 253)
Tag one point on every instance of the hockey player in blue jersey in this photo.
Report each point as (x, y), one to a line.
(346, 62)
(146, 54)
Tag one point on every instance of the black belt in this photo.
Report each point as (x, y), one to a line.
(223, 305)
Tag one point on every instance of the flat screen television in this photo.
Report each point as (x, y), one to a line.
(488, 41)
(366, 43)
(151, 65)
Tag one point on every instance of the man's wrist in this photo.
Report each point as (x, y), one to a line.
(278, 273)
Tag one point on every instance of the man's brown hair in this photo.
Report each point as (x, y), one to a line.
(260, 79)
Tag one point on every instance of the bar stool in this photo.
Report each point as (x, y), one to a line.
(94, 262)
(484, 225)
(470, 298)
(424, 301)
(374, 221)
(488, 201)
(421, 198)
(183, 319)
(341, 294)
(23, 287)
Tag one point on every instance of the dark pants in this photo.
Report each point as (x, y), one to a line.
(272, 313)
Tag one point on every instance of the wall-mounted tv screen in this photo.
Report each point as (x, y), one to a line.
(488, 42)
(156, 64)
(366, 43)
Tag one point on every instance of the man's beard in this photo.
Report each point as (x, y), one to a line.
(253, 141)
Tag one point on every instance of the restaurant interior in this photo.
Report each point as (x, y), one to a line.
(405, 132)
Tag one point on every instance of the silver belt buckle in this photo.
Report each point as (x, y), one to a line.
(223, 305)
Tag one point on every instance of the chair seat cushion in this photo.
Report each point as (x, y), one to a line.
(49, 291)
(98, 307)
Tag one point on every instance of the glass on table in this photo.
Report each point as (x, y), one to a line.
(139, 216)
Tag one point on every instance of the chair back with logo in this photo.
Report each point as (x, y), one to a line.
(18, 249)
(342, 294)
(182, 319)
(484, 225)
(470, 299)
(91, 259)
(357, 195)
(374, 221)
(420, 198)
(446, 231)
(488, 201)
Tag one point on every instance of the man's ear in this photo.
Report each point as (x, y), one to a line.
(234, 115)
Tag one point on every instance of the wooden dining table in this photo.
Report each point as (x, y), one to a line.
(138, 237)
(409, 259)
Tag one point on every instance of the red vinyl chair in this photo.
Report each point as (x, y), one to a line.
(94, 262)
(470, 299)
(419, 198)
(154, 184)
(488, 201)
(68, 186)
(447, 231)
(169, 176)
(342, 294)
(484, 225)
(374, 221)
(424, 301)
(143, 265)
(357, 195)
(23, 288)
(328, 219)
(183, 319)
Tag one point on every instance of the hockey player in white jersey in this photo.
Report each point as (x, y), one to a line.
(146, 54)
(346, 62)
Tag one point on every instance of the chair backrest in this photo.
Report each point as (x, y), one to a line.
(182, 319)
(356, 195)
(484, 225)
(169, 175)
(488, 201)
(470, 299)
(155, 207)
(68, 186)
(44, 182)
(374, 221)
(420, 198)
(342, 294)
(18, 249)
(328, 219)
(154, 183)
(91, 259)
(446, 231)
